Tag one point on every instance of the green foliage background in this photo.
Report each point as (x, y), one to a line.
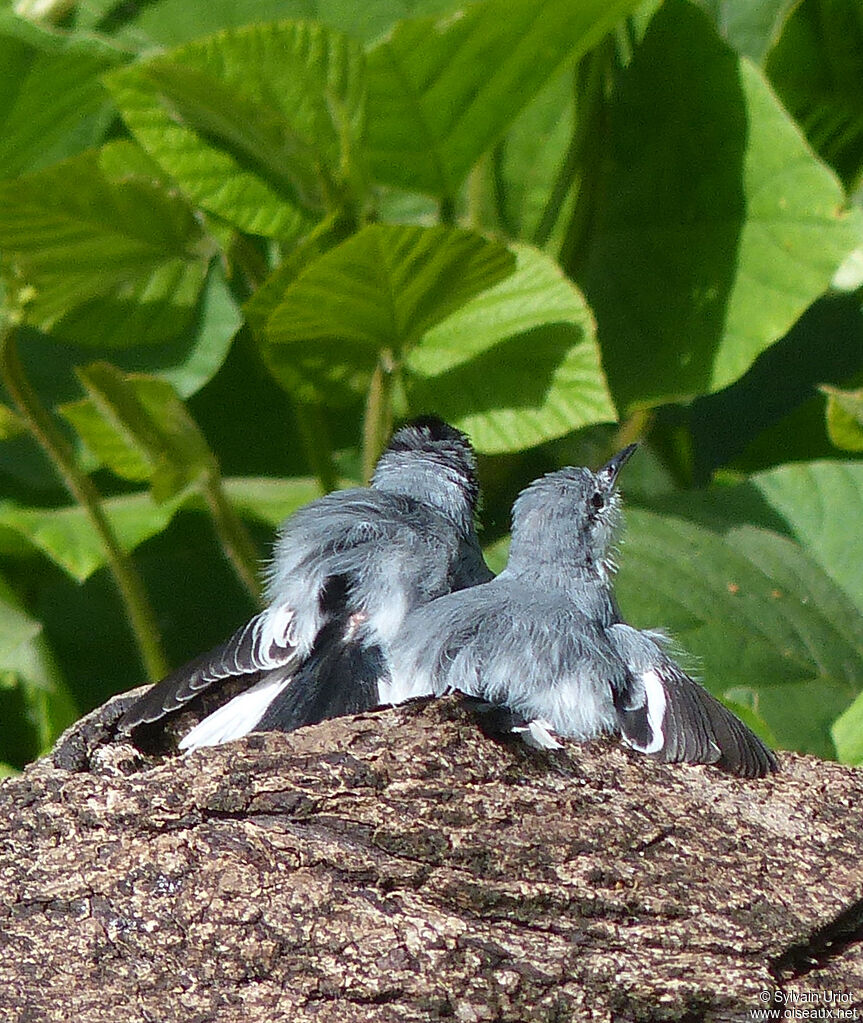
(241, 239)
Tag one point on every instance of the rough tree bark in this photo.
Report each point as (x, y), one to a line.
(399, 866)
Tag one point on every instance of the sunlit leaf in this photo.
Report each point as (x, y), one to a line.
(68, 538)
(52, 102)
(442, 91)
(259, 124)
(848, 733)
(98, 259)
(717, 226)
(515, 366)
(139, 428)
(816, 68)
(393, 284)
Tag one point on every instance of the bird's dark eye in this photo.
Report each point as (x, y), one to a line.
(597, 500)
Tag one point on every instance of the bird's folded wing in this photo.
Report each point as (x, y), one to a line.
(662, 711)
(325, 556)
(267, 641)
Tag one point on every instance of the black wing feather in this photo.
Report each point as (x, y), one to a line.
(239, 656)
(700, 729)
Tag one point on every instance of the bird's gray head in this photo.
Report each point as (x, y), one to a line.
(568, 519)
(431, 461)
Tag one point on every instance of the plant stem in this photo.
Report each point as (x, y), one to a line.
(378, 420)
(477, 194)
(313, 435)
(132, 592)
(233, 535)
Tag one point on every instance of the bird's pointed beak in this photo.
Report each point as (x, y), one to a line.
(612, 467)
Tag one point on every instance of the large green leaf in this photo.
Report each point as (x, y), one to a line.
(773, 413)
(442, 91)
(817, 69)
(68, 538)
(819, 504)
(378, 292)
(515, 366)
(760, 616)
(52, 102)
(530, 163)
(717, 226)
(259, 125)
(822, 503)
(99, 258)
(140, 429)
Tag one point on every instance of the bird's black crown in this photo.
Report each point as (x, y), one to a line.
(428, 439)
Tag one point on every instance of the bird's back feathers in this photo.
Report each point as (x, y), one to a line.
(345, 571)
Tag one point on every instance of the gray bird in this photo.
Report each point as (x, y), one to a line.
(346, 570)
(544, 641)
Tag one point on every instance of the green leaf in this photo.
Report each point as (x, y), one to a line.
(177, 21)
(106, 442)
(187, 362)
(756, 612)
(844, 417)
(776, 412)
(139, 428)
(269, 295)
(515, 366)
(98, 259)
(848, 733)
(441, 92)
(270, 500)
(378, 292)
(259, 125)
(52, 102)
(717, 226)
(816, 68)
(16, 628)
(68, 538)
(822, 504)
(531, 162)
